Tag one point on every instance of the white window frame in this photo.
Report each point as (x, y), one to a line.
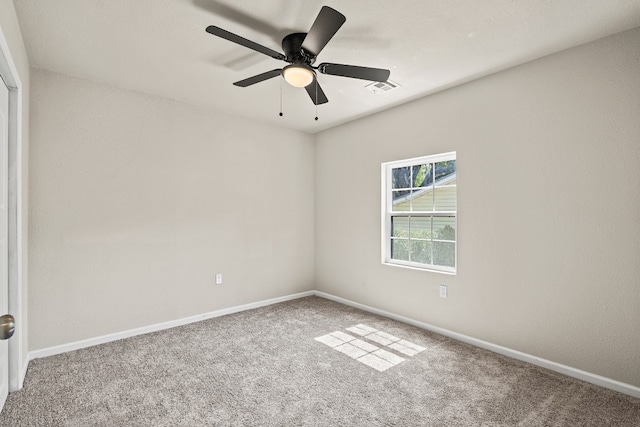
(387, 213)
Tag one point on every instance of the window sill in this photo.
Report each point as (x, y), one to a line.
(412, 267)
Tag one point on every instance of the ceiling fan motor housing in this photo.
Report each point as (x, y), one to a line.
(292, 47)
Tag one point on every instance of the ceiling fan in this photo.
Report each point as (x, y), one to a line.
(300, 51)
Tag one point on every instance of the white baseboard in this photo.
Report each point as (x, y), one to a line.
(63, 348)
(534, 360)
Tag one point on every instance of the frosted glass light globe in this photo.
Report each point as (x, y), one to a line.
(298, 75)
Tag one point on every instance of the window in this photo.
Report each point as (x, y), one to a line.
(419, 213)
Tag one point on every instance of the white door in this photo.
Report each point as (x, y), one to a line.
(4, 262)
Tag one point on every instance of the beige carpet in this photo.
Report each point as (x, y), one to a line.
(308, 362)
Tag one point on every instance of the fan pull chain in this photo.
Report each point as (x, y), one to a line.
(281, 98)
(316, 81)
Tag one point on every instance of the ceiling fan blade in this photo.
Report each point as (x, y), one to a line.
(327, 23)
(216, 31)
(235, 14)
(259, 78)
(355, 72)
(316, 93)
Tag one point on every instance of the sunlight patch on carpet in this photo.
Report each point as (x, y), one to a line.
(368, 353)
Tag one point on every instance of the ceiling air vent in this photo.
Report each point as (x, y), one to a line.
(382, 87)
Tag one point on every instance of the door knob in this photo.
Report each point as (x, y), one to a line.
(7, 326)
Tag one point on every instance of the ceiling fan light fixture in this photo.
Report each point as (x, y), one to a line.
(298, 75)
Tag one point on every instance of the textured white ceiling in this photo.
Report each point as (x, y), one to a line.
(160, 47)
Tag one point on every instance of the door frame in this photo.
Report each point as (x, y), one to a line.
(9, 73)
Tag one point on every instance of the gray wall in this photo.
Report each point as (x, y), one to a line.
(11, 31)
(548, 198)
(138, 201)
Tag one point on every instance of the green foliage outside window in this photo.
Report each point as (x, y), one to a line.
(420, 246)
(422, 174)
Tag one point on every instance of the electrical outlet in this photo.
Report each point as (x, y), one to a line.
(218, 279)
(443, 291)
